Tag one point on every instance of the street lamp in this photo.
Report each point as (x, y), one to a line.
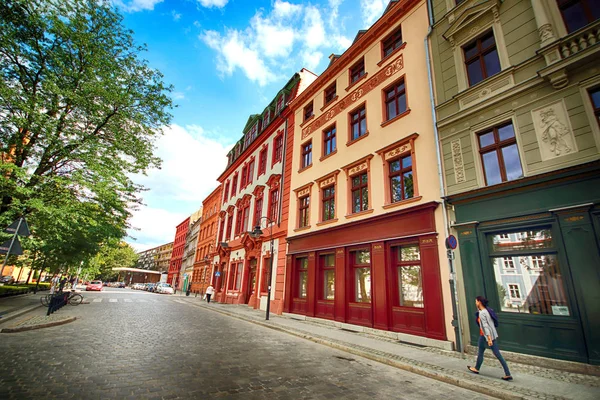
(256, 233)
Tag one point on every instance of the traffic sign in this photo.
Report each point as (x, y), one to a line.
(451, 242)
(217, 274)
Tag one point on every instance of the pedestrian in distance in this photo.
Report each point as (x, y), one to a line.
(209, 292)
(488, 336)
(62, 284)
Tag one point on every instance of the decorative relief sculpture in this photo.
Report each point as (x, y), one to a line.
(397, 151)
(327, 182)
(457, 160)
(553, 130)
(357, 169)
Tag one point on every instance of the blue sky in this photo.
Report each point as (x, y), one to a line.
(226, 60)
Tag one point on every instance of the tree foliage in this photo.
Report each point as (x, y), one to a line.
(111, 255)
(79, 113)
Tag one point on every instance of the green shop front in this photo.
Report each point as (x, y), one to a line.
(532, 248)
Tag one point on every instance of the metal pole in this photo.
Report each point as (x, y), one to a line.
(270, 278)
(10, 247)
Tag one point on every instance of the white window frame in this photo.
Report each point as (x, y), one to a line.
(517, 287)
(510, 260)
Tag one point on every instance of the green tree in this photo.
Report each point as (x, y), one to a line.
(80, 110)
(113, 254)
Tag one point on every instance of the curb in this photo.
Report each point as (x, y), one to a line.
(439, 376)
(18, 313)
(39, 326)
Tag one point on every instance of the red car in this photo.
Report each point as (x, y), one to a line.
(94, 285)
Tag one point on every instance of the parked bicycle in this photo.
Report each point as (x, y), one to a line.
(74, 299)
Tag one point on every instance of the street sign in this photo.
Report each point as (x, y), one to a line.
(15, 250)
(217, 274)
(20, 226)
(451, 242)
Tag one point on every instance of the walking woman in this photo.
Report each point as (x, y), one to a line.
(487, 336)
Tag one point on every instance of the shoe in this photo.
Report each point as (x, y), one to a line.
(473, 370)
(507, 378)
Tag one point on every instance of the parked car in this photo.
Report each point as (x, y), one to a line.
(121, 285)
(94, 285)
(164, 288)
(8, 279)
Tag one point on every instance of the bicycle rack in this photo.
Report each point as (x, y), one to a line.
(57, 301)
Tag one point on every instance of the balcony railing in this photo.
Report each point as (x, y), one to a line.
(580, 40)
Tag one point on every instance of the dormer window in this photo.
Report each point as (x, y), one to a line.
(330, 93)
(279, 106)
(267, 118)
(357, 71)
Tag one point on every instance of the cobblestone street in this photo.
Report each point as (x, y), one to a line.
(139, 345)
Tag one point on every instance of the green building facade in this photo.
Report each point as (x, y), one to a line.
(517, 95)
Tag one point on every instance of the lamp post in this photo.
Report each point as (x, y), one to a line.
(256, 233)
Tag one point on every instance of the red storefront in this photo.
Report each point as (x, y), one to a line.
(366, 272)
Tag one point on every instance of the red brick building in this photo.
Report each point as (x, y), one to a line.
(256, 192)
(207, 241)
(177, 254)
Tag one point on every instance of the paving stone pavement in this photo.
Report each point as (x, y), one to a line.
(162, 349)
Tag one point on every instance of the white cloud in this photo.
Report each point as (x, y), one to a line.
(372, 10)
(178, 95)
(176, 15)
(136, 5)
(311, 59)
(273, 38)
(283, 9)
(213, 3)
(154, 226)
(314, 31)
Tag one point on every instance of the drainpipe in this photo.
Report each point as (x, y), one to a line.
(456, 321)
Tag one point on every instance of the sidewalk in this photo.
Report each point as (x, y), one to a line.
(13, 306)
(530, 382)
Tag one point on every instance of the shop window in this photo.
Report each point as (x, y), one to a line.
(357, 71)
(266, 280)
(361, 260)
(578, 13)
(330, 94)
(395, 100)
(360, 193)
(595, 98)
(392, 42)
(262, 161)
(543, 286)
(306, 155)
(499, 154)
(302, 275)
(303, 211)
(408, 274)
(238, 276)
(327, 264)
(401, 179)
(277, 149)
(223, 278)
(328, 199)
(481, 58)
(329, 141)
(358, 123)
(308, 111)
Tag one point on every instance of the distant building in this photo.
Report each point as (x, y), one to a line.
(207, 238)
(177, 253)
(189, 253)
(147, 259)
(163, 257)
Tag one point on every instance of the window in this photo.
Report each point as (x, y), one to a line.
(262, 161)
(513, 291)
(361, 264)
(308, 111)
(328, 199)
(329, 141)
(244, 178)
(537, 262)
(401, 179)
(357, 71)
(278, 149)
(273, 204)
(258, 205)
(330, 93)
(238, 222)
(302, 274)
(235, 282)
(481, 58)
(250, 172)
(280, 103)
(578, 13)
(266, 280)
(229, 226)
(408, 273)
(234, 185)
(392, 42)
(395, 100)
(595, 98)
(499, 154)
(245, 218)
(303, 211)
(267, 118)
(360, 193)
(327, 264)
(306, 154)
(358, 123)
(226, 192)
(544, 290)
(508, 263)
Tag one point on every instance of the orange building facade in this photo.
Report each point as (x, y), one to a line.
(256, 192)
(181, 232)
(207, 238)
(365, 221)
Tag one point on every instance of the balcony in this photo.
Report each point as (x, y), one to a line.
(569, 52)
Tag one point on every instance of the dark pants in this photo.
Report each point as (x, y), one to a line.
(208, 297)
(482, 346)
